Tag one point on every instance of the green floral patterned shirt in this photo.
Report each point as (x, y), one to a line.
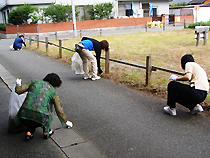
(39, 102)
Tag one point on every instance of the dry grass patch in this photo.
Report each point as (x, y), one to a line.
(165, 47)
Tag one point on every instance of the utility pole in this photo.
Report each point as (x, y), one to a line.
(74, 19)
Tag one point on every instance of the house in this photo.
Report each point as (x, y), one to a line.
(122, 8)
(200, 12)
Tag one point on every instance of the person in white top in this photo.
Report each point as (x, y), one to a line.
(189, 95)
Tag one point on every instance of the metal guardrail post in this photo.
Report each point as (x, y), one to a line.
(148, 70)
(37, 39)
(46, 40)
(56, 35)
(60, 48)
(17, 30)
(80, 33)
(107, 62)
(145, 27)
(29, 40)
(100, 32)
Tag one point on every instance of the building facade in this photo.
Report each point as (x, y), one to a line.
(121, 9)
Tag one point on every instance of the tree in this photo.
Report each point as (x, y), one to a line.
(21, 15)
(100, 11)
(59, 12)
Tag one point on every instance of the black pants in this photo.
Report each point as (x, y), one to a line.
(31, 125)
(185, 95)
(16, 48)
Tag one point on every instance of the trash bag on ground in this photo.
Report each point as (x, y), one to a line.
(77, 65)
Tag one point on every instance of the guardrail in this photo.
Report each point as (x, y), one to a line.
(149, 67)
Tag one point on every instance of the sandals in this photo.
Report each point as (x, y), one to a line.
(50, 134)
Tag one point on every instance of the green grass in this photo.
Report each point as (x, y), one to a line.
(165, 47)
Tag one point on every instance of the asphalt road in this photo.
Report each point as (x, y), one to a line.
(117, 121)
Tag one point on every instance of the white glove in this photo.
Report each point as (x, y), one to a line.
(18, 81)
(69, 124)
(173, 77)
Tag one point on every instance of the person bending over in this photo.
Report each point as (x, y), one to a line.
(98, 46)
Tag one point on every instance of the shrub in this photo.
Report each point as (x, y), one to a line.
(192, 26)
(2, 27)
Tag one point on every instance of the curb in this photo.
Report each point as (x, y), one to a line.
(69, 142)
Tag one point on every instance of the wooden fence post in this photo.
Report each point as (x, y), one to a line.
(29, 40)
(164, 27)
(184, 24)
(46, 40)
(198, 38)
(60, 48)
(148, 70)
(204, 38)
(37, 39)
(107, 62)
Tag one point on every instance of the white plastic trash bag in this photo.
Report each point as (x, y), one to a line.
(11, 47)
(15, 102)
(77, 65)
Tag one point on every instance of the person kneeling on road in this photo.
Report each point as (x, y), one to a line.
(191, 95)
(36, 110)
(18, 43)
(83, 48)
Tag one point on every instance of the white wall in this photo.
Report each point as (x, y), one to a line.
(203, 14)
(162, 7)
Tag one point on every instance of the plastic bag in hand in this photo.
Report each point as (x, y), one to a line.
(69, 124)
(15, 102)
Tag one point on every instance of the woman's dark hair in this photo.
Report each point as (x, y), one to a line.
(104, 45)
(186, 58)
(53, 79)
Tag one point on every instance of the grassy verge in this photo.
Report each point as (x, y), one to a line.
(165, 47)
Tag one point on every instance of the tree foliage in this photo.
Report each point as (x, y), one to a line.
(178, 4)
(59, 12)
(100, 11)
(20, 15)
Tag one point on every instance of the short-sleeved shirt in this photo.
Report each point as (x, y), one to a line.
(88, 44)
(39, 102)
(199, 76)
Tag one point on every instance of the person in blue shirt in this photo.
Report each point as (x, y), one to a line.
(84, 49)
(98, 46)
(18, 43)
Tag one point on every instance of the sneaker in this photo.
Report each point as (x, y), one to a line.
(170, 111)
(96, 78)
(87, 77)
(196, 109)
